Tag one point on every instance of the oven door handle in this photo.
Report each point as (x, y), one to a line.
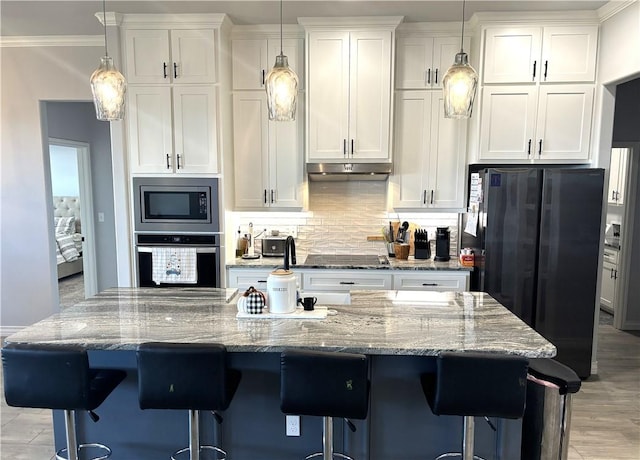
(207, 250)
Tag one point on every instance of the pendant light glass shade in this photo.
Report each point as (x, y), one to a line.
(282, 91)
(108, 87)
(459, 83)
(107, 83)
(282, 87)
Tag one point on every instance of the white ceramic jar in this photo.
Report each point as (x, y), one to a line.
(281, 291)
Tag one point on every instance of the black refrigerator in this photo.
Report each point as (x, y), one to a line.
(536, 250)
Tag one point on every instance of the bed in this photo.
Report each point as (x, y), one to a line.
(68, 235)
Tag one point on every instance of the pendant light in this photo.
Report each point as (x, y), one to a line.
(460, 83)
(107, 84)
(282, 87)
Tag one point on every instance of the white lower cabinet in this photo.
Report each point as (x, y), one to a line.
(431, 281)
(323, 280)
(345, 280)
(609, 280)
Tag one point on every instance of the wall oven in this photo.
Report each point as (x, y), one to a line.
(176, 205)
(207, 253)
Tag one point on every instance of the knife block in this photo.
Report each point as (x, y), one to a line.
(422, 253)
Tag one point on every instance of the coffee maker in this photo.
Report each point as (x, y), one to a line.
(442, 244)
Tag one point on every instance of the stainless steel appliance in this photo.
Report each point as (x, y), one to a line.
(207, 249)
(176, 205)
(273, 246)
(537, 248)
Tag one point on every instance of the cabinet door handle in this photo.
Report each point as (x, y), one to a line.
(529, 148)
(431, 197)
(546, 63)
(611, 274)
(175, 70)
(263, 76)
(429, 284)
(436, 76)
(617, 196)
(344, 147)
(272, 197)
(262, 281)
(540, 148)
(347, 282)
(352, 147)
(428, 76)
(178, 158)
(615, 274)
(424, 197)
(265, 196)
(164, 70)
(168, 165)
(613, 195)
(533, 78)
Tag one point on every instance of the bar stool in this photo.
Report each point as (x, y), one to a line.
(325, 384)
(476, 384)
(58, 377)
(191, 377)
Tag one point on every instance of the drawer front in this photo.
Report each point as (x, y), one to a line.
(431, 282)
(343, 280)
(243, 279)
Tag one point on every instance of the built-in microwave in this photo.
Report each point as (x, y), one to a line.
(176, 205)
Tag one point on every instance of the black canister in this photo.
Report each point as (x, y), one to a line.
(442, 244)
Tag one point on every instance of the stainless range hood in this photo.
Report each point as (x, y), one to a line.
(348, 171)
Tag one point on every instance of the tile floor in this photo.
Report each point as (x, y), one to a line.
(605, 423)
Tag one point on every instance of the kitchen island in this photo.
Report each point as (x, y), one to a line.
(400, 330)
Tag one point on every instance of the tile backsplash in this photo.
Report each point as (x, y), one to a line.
(340, 217)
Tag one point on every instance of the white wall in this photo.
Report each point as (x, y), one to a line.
(28, 282)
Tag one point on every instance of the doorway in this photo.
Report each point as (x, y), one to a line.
(71, 195)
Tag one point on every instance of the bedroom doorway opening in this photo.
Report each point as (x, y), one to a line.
(71, 194)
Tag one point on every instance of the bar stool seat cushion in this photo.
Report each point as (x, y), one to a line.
(477, 384)
(185, 376)
(55, 377)
(324, 384)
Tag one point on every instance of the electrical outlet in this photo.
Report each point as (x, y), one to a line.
(293, 425)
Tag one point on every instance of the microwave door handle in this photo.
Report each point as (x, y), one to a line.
(206, 250)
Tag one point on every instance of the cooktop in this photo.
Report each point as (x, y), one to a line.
(346, 259)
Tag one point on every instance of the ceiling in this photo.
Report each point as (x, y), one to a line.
(76, 17)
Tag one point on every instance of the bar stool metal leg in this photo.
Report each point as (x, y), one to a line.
(195, 448)
(468, 440)
(327, 442)
(73, 449)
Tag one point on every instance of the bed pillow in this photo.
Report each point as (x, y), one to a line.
(65, 225)
(67, 247)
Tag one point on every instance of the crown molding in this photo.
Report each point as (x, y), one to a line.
(381, 22)
(172, 20)
(538, 17)
(612, 8)
(267, 31)
(51, 40)
(113, 19)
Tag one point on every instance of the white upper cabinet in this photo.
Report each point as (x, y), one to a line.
(170, 56)
(172, 130)
(550, 54)
(430, 153)
(422, 61)
(267, 154)
(551, 122)
(617, 175)
(349, 95)
(254, 58)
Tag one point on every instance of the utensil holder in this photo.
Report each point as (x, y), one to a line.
(391, 250)
(401, 250)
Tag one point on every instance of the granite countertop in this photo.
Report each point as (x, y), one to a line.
(376, 322)
(394, 264)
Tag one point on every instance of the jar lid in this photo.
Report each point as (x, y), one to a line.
(281, 272)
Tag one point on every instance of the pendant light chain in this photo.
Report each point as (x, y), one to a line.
(104, 24)
(281, 47)
(462, 39)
